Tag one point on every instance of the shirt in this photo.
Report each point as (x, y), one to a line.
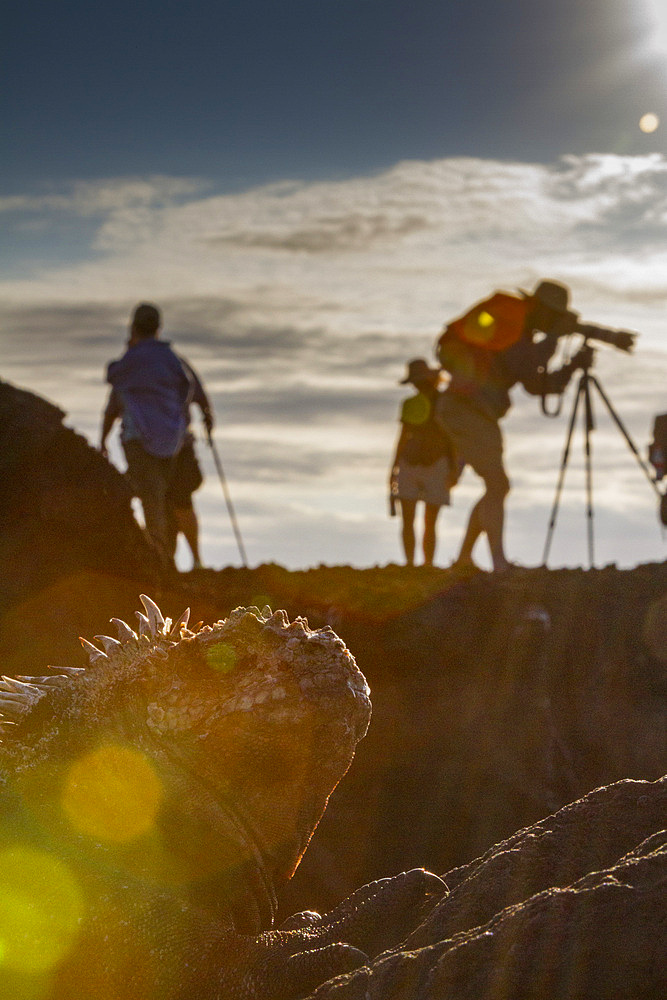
(154, 391)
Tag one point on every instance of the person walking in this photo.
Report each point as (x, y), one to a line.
(150, 392)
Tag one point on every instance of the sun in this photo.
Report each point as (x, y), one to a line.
(649, 122)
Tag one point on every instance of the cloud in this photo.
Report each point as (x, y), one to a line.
(352, 232)
(299, 305)
(402, 249)
(312, 404)
(624, 195)
(85, 198)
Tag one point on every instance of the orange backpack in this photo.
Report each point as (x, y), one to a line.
(492, 325)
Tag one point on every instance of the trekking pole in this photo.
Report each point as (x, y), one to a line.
(228, 499)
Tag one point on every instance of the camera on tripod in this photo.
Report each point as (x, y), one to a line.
(569, 323)
(624, 341)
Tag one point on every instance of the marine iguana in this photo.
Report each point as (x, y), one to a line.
(155, 799)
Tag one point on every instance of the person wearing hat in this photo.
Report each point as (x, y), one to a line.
(423, 460)
(487, 351)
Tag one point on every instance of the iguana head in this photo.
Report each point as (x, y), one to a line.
(198, 761)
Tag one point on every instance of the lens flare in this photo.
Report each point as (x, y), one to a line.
(417, 409)
(221, 657)
(262, 601)
(112, 794)
(41, 907)
(480, 328)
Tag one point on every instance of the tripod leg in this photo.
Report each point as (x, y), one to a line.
(617, 420)
(561, 475)
(590, 426)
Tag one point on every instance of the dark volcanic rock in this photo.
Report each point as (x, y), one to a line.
(495, 703)
(66, 523)
(63, 507)
(572, 908)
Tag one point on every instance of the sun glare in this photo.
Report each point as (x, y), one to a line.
(657, 16)
(649, 122)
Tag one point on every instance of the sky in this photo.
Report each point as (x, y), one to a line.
(309, 190)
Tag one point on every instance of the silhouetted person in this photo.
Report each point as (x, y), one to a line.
(487, 351)
(422, 464)
(151, 393)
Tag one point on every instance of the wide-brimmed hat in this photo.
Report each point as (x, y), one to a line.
(419, 371)
(551, 294)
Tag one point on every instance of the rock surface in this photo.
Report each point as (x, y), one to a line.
(62, 506)
(67, 530)
(496, 703)
(572, 908)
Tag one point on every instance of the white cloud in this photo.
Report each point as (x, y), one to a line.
(300, 303)
(656, 35)
(87, 198)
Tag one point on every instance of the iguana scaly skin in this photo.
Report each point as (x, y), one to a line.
(153, 801)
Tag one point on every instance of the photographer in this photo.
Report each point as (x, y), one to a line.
(487, 351)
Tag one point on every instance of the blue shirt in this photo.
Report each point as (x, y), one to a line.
(155, 391)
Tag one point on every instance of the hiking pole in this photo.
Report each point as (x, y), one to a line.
(228, 499)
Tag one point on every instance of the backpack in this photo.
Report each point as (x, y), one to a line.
(492, 325)
(427, 441)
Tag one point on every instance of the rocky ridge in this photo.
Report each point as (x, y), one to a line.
(497, 703)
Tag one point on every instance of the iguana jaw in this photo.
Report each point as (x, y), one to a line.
(272, 748)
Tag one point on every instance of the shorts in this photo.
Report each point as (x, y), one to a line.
(477, 438)
(186, 476)
(424, 482)
(149, 475)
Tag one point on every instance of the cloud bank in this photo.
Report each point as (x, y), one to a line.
(299, 305)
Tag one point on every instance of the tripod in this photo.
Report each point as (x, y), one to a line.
(586, 382)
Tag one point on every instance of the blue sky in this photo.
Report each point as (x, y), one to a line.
(309, 189)
(251, 92)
